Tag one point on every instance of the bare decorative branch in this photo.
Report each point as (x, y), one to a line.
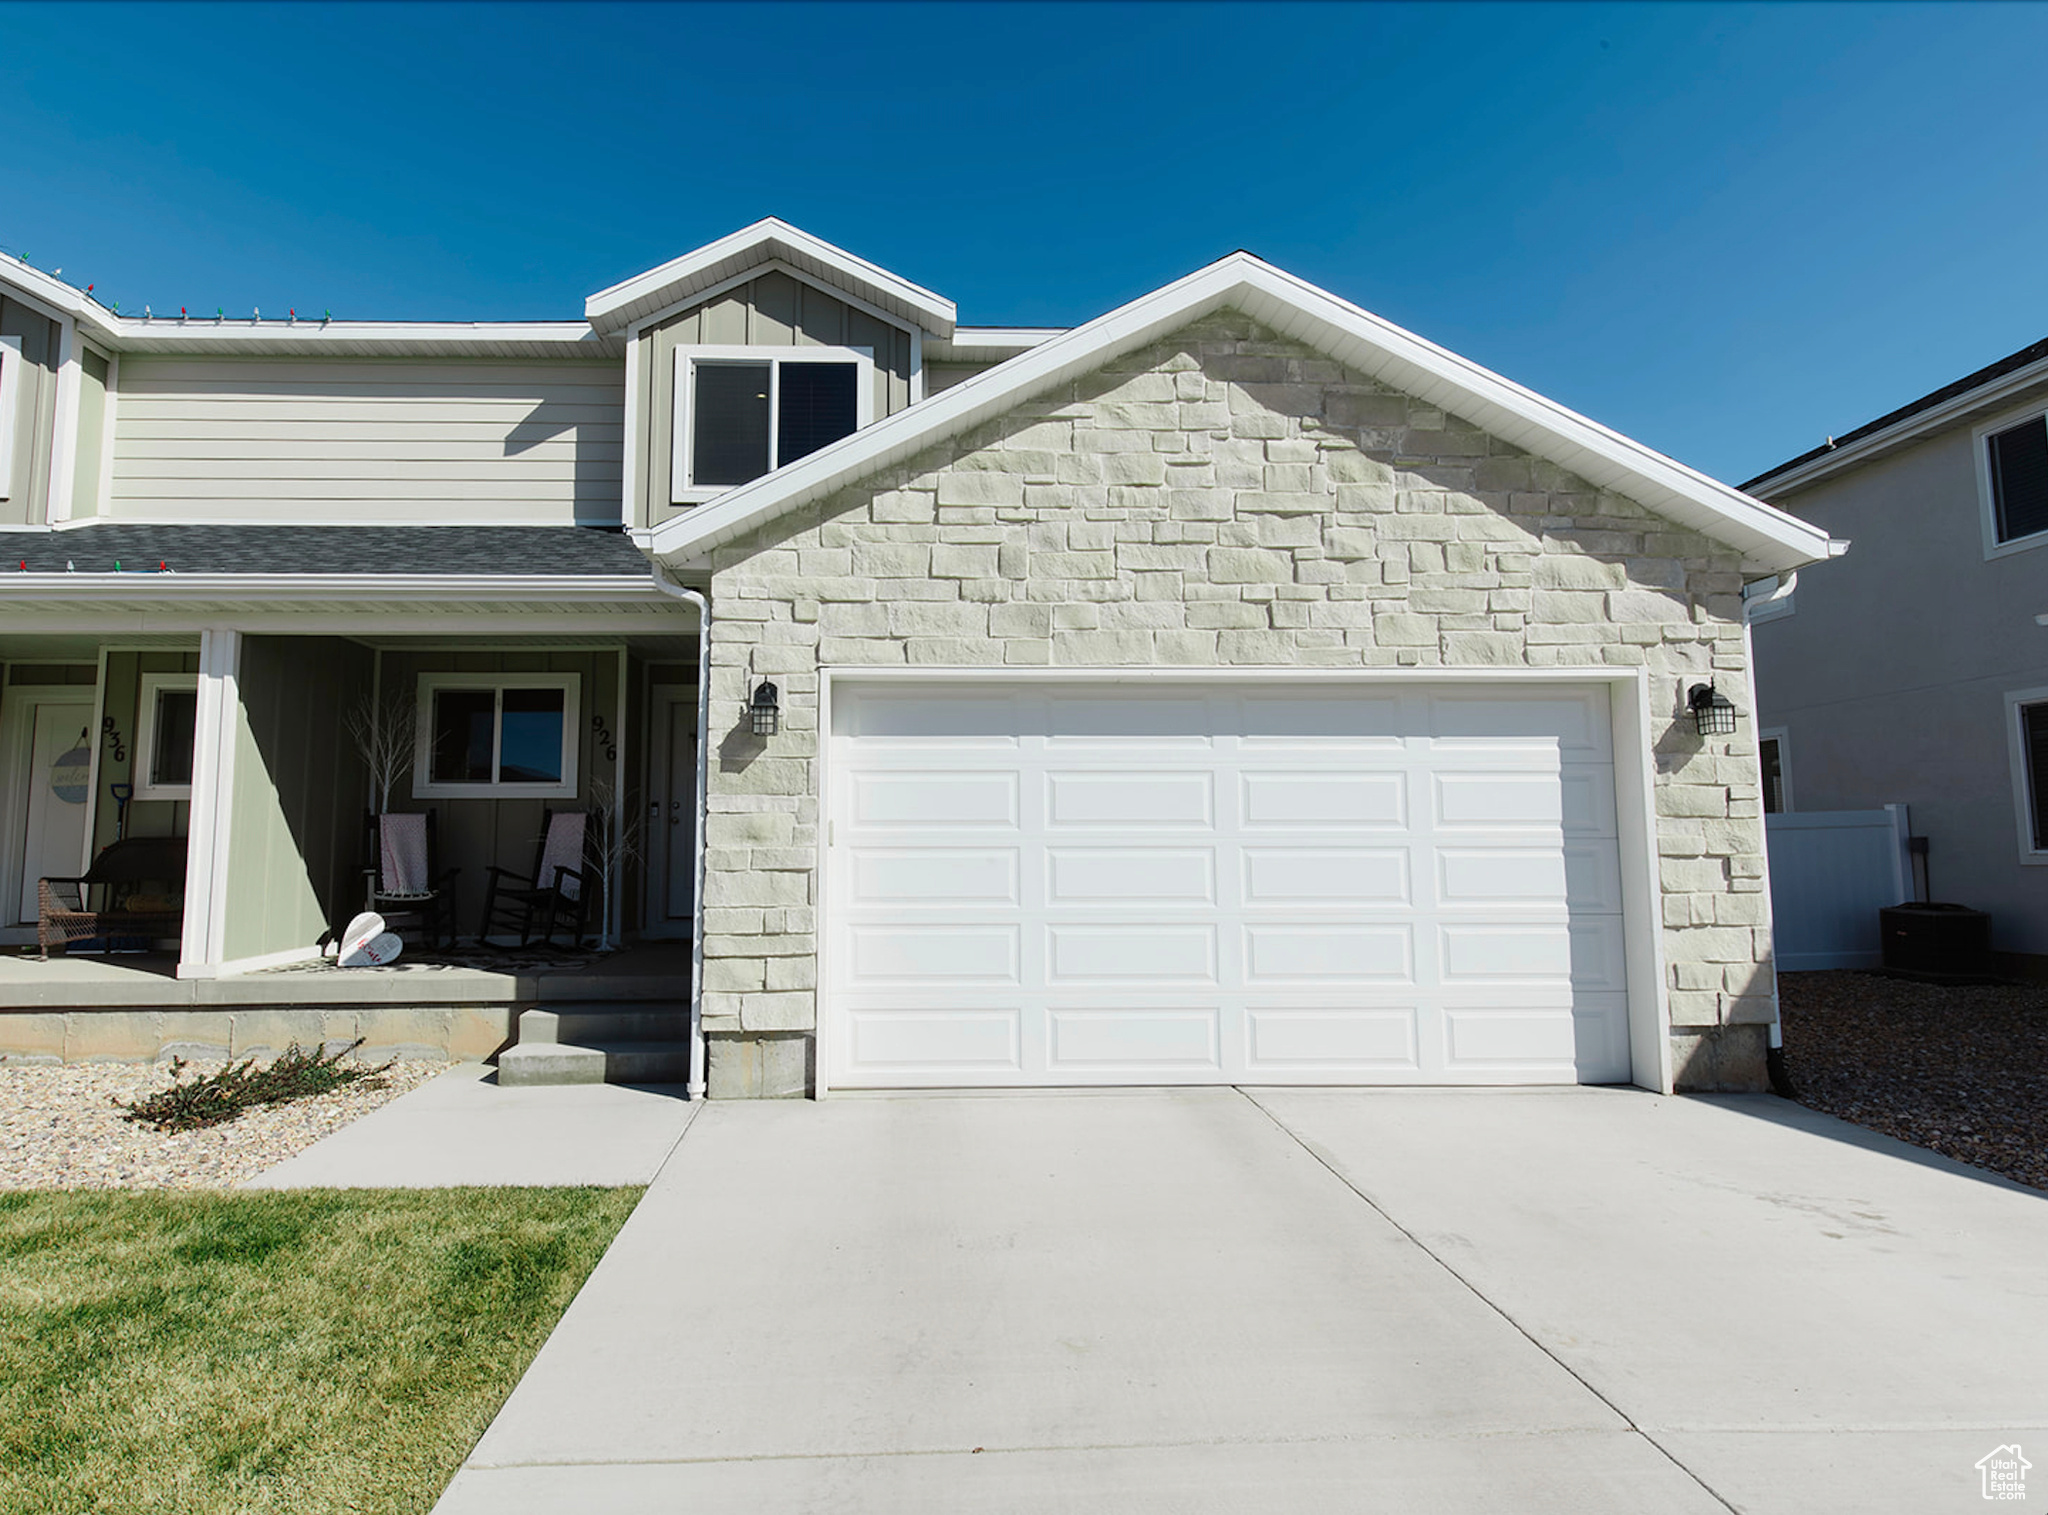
(385, 736)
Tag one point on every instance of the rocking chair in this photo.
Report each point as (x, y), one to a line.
(556, 892)
(403, 885)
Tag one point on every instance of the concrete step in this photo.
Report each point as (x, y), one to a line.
(629, 1062)
(585, 1025)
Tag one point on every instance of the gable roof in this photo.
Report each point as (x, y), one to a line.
(1986, 389)
(681, 279)
(1770, 540)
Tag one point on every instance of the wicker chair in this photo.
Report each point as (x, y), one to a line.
(66, 910)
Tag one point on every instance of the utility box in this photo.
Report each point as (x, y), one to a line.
(1936, 940)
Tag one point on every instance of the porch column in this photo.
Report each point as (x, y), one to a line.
(218, 720)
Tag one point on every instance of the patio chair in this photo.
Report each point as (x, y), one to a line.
(402, 884)
(556, 893)
(127, 912)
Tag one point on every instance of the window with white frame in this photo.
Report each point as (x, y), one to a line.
(166, 722)
(2013, 478)
(1774, 761)
(742, 411)
(2026, 731)
(10, 390)
(499, 736)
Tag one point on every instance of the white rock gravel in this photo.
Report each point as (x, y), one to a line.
(60, 1128)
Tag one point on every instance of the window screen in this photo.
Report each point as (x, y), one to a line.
(729, 440)
(177, 716)
(2019, 479)
(530, 746)
(1772, 761)
(2034, 735)
(463, 722)
(818, 408)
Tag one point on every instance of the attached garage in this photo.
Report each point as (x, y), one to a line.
(1038, 881)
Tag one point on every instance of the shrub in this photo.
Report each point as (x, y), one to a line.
(212, 1099)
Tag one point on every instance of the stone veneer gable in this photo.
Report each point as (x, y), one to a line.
(1222, 498)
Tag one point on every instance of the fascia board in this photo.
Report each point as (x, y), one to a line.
(1906, 431)
(325, 586)
(1769, 539)
(613, 309)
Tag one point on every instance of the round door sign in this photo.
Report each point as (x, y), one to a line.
(71, 775)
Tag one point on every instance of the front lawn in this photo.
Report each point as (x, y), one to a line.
(305, 1352)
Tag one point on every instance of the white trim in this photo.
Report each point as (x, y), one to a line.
(683, 386)
(1987, 505)
(432, 683)
(1901, 433)
(208, 823)
(1649, 1018)
(234, 967)
(615, 878)
(916, 365)
(148, 690)
(677, 281)
(64, 424)
(629, 463)
(2023, 781)
(150, 585)
(99, 745)
(11, 363)
(1768, 600)
(109, 418)
(1769, 539)
(699, 298)
(1783, 737)
(390, 621)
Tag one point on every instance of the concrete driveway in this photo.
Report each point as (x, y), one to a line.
(1213, 1300)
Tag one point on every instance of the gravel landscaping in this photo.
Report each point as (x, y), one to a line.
(60, 1128)
(1962, 1071)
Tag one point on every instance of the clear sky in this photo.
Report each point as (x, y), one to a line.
(1724, 230)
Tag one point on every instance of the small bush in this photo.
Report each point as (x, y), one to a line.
(212, 1099)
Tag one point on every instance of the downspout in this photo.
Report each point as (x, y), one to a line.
(674, 590)
(1774, 1053)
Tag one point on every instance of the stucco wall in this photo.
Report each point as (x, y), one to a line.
(1891, 674)
(1222, 498)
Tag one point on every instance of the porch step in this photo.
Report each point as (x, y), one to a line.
(633, 1062)
(595, 1044)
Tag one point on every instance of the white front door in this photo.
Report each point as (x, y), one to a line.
(671, 811)
(1247, 882)
(53, 787)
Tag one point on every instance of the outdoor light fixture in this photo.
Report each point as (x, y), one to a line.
(767, 713)
(1713, 713)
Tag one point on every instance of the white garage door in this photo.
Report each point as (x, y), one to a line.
(1035, 883)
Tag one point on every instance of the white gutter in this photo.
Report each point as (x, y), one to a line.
(1774, 1055)
(172, 585)
(668, 586)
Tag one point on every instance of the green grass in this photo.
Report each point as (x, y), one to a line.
(302, 1352)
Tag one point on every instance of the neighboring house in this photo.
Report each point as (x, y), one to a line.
(1913, 672)
(1236, 688)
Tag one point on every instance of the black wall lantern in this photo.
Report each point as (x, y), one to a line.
(767, 713)
(1713, 714)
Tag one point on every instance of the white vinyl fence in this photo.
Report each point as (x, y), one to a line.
(1831, 872)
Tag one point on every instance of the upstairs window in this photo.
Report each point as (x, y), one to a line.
(2026, 728)
(2016, 471)
(743, 411)
(504, 736)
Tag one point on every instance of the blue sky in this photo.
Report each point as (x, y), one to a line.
(1724, 230)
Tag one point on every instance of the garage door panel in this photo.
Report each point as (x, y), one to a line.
(1331, 1040)
(944, 1041)
(1130, 953)
(1130, 876)
(1324, 800)
(1112, 1038)
(1138, 798)
(930, 799)
(1336, 876)
(909, 953)
(1286, 885)
(1348, 952)
(934, 876)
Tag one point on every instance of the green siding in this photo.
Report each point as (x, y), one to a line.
(295, 830)
(29, 488)
(118, 758)
(773, 310)
(92, 430)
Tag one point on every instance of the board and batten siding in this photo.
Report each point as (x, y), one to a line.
(773, 310)
(28, 489)
(355, 442)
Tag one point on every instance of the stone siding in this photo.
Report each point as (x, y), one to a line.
(1227, 498)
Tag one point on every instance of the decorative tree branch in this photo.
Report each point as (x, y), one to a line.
(385, 738)
(612, 841)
